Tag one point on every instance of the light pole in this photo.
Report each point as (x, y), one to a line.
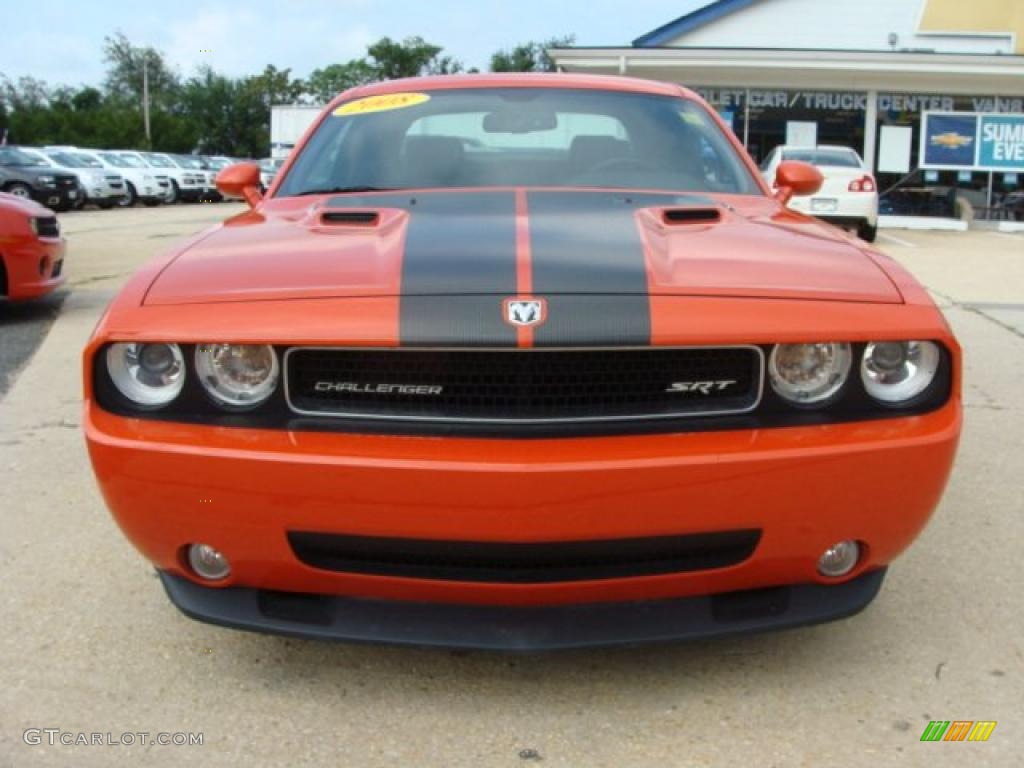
(145, 97)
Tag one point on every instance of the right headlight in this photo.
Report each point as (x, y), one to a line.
(150, 375)
(238, 376)
(895, 372)
(809, 374)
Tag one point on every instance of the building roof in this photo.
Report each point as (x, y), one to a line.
(886, 71)
(704, 14)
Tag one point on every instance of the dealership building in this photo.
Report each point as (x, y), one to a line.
(855, 73)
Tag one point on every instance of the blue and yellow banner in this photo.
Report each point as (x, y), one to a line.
(972, 141)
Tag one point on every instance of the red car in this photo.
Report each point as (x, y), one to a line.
(521, 361)
(31, 249)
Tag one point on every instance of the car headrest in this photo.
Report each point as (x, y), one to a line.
(432, 160)
(587, 152)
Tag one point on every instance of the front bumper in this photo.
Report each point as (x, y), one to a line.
(59, 198)
(522, 628)
(243, 490)
(34, 268)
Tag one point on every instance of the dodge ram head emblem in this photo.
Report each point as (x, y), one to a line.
(525, 311)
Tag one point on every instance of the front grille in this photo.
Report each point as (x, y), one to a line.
(523, 386)
(47, 226)
(523, 563)
(67, 182)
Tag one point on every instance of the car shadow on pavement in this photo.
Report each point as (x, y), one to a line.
(23, 326)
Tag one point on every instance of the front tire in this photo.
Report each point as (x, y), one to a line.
(173, 193)
(130, 196)
(867, 232)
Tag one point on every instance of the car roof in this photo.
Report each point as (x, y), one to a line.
(518, 80)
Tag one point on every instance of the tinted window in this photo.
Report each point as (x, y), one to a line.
(15, 157)
(523, 136)
(842, 158)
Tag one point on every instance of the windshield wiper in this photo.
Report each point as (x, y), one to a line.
(343, 190)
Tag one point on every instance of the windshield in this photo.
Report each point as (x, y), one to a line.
(158, 161)
(69, 161)
(123, 161)
(12, 157)
(86, 161)
(217, 163)
(841, 158)
(185, 161)
(545, 137)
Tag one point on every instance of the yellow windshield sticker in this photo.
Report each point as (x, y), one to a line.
(381, 103)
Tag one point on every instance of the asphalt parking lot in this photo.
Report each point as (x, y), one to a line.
(90, 643)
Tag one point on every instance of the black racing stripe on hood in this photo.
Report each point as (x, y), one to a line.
(587, 243)
(459, 263)
(589, 262)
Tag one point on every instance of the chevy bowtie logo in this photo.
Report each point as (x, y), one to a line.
(951, 140)
(525, 311)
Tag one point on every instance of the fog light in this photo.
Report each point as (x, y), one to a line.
(839, 559)
(207, 562)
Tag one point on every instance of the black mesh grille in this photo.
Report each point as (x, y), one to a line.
(523, 562)
(523, 385)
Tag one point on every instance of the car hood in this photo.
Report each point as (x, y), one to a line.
(23, 205)
(516, 242)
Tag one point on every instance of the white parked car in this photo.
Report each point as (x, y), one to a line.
(183, 185)
(849, 196)
(141, 184)
(198, 166)
(269, 166)
(100, 187)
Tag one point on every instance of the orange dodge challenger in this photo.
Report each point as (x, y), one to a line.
(521, 362)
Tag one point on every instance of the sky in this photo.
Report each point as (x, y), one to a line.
(61, 42)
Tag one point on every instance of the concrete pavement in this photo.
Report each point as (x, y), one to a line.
(91, 644)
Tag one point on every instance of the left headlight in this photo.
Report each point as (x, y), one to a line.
(150, 375)
(237, 375)
(809, 374)
(895, 372)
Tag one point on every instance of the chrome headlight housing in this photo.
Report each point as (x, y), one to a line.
(237, 376)
(809, 374)
(151, 375)
(895, 372)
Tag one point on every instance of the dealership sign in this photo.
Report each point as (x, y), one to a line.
(972, 141)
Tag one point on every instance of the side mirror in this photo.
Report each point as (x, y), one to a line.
(241, 180)
(796, 179)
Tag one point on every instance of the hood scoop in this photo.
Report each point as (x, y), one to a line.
(676, 216)
(350, 218)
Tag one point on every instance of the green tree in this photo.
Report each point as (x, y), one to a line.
(530, 57)
(322, 85)
(412, 57)
(126, 64)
